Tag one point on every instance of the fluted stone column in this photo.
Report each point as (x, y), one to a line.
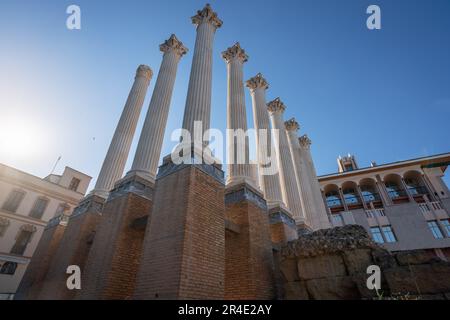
(119, 148)
(150, 142)
(321, 216)
(304, 180)
(289, 188)
(198, 101)
(237, 145)
(270, 183)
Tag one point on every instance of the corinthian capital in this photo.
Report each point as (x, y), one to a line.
(235, 52)
(144, 71)
(292, 125)
(175, 45)
(257, 82)
(305, 142)
(276, 106)
(207, 15)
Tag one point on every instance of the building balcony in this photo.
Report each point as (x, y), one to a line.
(377, 217)
(398, 196)
(433, 211)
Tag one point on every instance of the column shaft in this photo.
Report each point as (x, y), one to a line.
(321, 216)
(198, 102)
(237, 145)
(150, 142)
(289, 188)
(119, 148)
(270, 183)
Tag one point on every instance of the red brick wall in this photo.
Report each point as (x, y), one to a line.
(184, 249)
(31, 283)
(249, 258)
(74, 248)
(114, 259)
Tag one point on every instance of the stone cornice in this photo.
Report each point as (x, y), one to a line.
(207, 15)
(144, 71)
(276, 106)
(175, 45)
(257, 82)
(305, 142)
(235, 52)
(292, 125)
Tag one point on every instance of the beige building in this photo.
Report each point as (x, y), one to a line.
(404, 205)
(27, 203)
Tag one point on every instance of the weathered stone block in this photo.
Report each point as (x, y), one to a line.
(336, 288)
(296, 290)
(321, 267)
(357, 260)
(405, 258)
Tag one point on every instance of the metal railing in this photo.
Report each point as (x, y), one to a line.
(430, 206)
(371, 197)
(418, 191)
(375, 213)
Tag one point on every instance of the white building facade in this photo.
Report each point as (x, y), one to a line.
(27, 203)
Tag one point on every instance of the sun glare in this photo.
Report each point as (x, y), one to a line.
(19, 137)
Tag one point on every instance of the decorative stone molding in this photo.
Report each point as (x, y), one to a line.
(276, 106)
(281, 217)
(135, 185)
(29, 228)
(257, 82)
(4, 223)
(292, 125)
(207, 15)
(245, 193)
(175, 45)
(305, 142)
(235, 52)
(92, 203)
(144, 71)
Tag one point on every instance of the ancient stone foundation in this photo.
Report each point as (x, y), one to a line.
(184, 246)
(113, 261)
(332, 264)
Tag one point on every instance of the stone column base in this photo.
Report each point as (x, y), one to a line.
(184, 247)
(113, 261)
(249, 266)
(74, 248)
(32, 282)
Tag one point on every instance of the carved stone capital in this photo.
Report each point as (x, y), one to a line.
(276, 106)
(144, 71)
(175, 45)
(305, 142)
(207, 15)
(292, 125)
(235, 52)
(257, 82)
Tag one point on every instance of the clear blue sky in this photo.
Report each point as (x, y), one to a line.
(382, 95)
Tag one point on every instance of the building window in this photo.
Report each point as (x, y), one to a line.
(4, 224)
(13, 201)
(446, 225)
(389, 234)
(333, 199)
(376, 235)
(8, 268)
(74, 184)
(39, 208)
(434, 227)
(337, 219)
(23, 238)
(351, 196)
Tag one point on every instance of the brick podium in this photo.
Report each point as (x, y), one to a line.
(249, 268)
(32, 281)
(113, 261)
(184, 247)
(74, 248)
